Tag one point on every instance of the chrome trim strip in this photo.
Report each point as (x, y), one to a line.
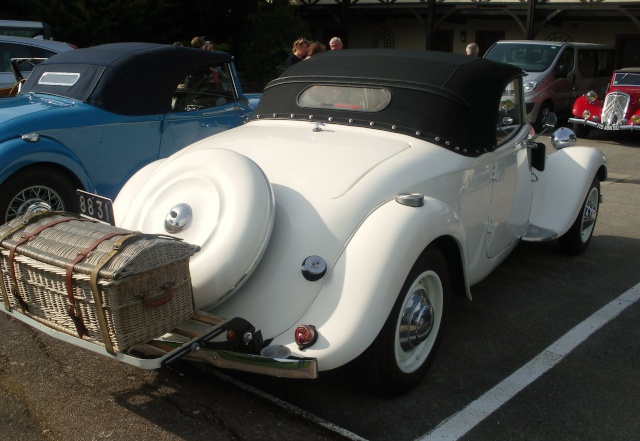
(257, 364)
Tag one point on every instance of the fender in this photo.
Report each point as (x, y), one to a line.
(568, 173)
(371, 271)
(16, 154)
(582, 103)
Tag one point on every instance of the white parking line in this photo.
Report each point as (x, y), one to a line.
(462, 422)
(289, 407)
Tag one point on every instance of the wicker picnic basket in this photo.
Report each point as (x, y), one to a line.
(108, 285)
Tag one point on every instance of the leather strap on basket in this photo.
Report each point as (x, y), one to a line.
(12, 253)
(26, 220)
(81, 329)
(97, 296)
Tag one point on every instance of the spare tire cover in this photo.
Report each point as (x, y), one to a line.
(232, 213)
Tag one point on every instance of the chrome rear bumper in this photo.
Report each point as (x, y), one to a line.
(173, 346)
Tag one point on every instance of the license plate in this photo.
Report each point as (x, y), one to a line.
(609, 126)
(96, 207)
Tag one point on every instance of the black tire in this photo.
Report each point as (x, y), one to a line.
(581, 130)
(37, 189)
(396, 361)
(544, 110)
(576, 240)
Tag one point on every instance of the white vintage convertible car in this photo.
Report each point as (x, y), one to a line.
(368, 188)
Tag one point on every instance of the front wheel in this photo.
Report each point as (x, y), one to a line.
(576, 240)
(545, 108)
(581, 130)
(37, 189)
(405, 347)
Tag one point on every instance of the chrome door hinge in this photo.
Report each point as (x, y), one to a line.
(491, 226)
(494, 172)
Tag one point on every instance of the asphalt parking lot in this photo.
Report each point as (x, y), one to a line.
(549, 349)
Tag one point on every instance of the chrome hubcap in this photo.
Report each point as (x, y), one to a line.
(589, 215)
(417, 320)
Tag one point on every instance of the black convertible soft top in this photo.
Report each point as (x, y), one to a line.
(449, 99)
(124, 78)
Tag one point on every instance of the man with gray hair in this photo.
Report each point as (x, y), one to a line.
(473, 50)
(335, 44)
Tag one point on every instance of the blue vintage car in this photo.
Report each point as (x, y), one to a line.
(90, 118)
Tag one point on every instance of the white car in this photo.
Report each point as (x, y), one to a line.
(368, 188)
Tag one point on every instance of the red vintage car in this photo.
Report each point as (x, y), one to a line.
(619, 109)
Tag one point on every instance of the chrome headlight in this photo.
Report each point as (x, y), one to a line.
(563, 137)
(591, 96)
(586, 114)
(529, 86)
(635, 119)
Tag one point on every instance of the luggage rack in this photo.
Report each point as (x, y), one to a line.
(194, 341)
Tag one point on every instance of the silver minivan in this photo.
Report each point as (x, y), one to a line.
(22, 47)
(29, 29)
(556, 72)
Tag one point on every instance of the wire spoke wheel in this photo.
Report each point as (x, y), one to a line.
(37, 189)
(34, 199)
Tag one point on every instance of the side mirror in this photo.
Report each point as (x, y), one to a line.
(562, 138)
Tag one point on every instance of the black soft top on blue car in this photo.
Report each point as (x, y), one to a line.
(449, 99)
(123, 78)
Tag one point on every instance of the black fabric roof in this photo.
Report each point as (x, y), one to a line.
(124, 78)
(447, 98)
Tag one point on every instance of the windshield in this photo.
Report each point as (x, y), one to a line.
(626, 79)
(528, 57)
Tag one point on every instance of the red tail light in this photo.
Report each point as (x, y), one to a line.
(305, 336)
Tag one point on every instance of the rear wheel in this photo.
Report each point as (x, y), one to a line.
(581, 130)
(37, 189)
(576, 240)
(545, 108)
(401, 354)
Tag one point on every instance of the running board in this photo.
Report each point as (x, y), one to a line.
(538, 234)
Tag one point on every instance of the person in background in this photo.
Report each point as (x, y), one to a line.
(315, 48)
(473, 50)
(298, 51)
(198, 42)
(208, 45)
(335, 44)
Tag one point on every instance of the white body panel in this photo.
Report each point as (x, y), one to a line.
(335, 193)
(563, 186)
